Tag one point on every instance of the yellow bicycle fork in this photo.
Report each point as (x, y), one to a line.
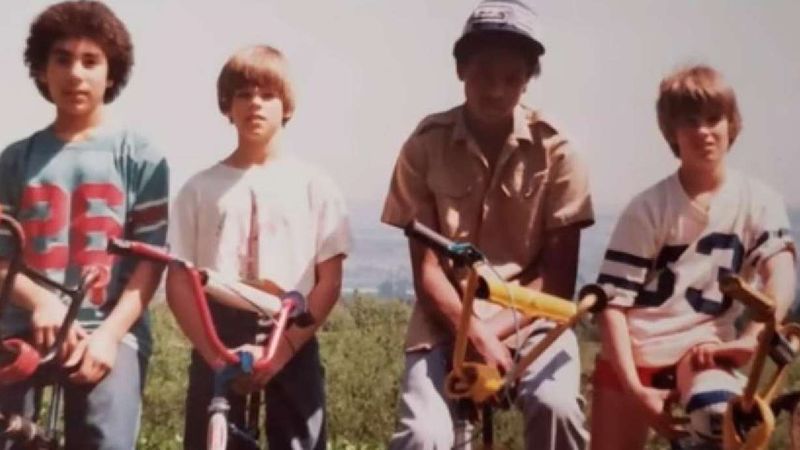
(749, 420)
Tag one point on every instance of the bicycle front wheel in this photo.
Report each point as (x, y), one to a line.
(794, 428)
(217, 437)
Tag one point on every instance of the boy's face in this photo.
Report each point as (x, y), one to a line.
(257, 113)
(703, 140)
(76, 76)
(494, 81)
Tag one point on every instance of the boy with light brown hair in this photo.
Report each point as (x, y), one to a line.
(262, 214)
(669, 325)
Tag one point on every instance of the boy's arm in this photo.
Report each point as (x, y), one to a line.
(146, 222)
(97, 353)
(778, 274)
(410, 198)
(321, 300)
(439, 297)
(617, 348)
(556, 271)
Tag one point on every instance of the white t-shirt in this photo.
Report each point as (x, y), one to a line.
(300, 215)
(666, 255)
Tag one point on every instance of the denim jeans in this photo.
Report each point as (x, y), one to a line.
(105, 416)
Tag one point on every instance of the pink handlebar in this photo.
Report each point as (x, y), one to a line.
(222, 355)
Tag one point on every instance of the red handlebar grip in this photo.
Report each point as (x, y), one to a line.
(23, 366)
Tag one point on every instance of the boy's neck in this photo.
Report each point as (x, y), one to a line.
(701, 185)
(490, 137)
(253, 153)
(72, 128)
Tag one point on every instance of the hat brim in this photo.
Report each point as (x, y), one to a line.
(494, 37)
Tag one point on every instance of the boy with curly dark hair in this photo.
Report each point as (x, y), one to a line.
(73, 185)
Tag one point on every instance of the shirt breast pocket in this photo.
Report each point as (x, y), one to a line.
(456, 202)
(523, 200)
(523, 184)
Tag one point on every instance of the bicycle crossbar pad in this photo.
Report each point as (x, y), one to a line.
(236, 294)
(529, 301)
(23, 366)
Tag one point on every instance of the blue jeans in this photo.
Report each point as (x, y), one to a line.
(104, 416)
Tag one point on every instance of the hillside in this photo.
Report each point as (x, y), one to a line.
(379, 262)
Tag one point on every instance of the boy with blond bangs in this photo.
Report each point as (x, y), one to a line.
(669, 321)
(261, 214)
(494, 173)
(73, 185)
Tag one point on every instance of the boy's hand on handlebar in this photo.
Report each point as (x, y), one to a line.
(46, 319)
(489, 347)
(654, 405)
(735, 353)
(256, 381)
(93, 357)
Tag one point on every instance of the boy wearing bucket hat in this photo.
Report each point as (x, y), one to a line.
(494, 173)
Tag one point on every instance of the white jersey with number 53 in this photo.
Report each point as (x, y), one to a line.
(666, 256)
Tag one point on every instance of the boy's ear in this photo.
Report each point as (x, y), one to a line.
(460, 71)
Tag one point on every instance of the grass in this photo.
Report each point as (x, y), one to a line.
(362, 354)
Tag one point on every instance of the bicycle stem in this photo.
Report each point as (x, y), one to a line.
(460, 350)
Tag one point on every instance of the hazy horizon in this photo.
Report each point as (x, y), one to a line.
(367, 71)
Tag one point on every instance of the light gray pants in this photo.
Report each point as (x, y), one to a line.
(549, 398)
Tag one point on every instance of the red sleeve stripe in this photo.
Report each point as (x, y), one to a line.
(148, 214)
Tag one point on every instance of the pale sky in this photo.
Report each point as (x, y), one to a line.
(366, 71)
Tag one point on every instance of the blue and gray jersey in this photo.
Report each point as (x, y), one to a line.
(70, 198)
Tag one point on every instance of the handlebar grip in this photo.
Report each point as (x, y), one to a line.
(149, 252)
(14, 228)
(418, 230)
(300, 314)
(460, 252)
(24, 363)
(603, 293)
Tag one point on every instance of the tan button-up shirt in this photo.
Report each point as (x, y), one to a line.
(443, 180)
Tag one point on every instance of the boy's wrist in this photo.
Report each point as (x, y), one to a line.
(290, 344)
(108, 327)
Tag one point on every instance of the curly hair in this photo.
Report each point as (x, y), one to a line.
(691, 91)
(258, 65)
(88, 19)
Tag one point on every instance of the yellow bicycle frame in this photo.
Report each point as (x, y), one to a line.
(753, 402)
(481, 383)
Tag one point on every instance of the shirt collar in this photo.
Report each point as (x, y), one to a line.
(520, 130)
